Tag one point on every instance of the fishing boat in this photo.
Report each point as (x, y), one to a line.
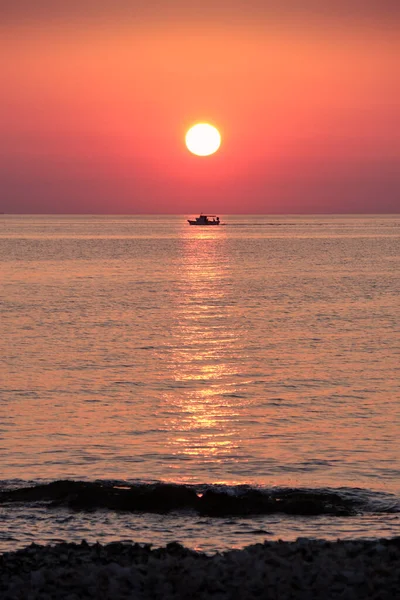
(205, 220)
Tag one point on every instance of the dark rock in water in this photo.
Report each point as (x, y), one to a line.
(220, 503)
(146, 498)
(310, 507)
(78, 495)
(167, 497)
(214, 501)
(159, 498)
(55, 490)
(307, 503)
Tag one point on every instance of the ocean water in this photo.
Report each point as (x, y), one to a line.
(263, 353)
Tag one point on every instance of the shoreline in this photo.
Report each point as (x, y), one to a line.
(306, 568)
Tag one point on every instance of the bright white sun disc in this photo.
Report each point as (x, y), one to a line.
(203, 139)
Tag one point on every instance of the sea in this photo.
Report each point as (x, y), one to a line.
(256, 359)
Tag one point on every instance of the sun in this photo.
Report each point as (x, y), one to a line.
(203, 139)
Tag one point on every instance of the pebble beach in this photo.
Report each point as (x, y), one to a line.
(303, 569)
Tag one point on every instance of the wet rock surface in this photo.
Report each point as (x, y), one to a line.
(303, 569)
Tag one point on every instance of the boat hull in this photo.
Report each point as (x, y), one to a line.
(202, 224)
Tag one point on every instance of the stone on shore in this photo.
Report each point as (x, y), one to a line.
(305, 569)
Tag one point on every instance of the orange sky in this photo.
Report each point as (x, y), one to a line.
(96, 99)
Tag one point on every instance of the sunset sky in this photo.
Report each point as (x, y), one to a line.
(96, 98)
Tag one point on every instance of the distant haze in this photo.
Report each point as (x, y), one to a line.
(96, 98)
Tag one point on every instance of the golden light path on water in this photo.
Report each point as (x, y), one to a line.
(204, 414)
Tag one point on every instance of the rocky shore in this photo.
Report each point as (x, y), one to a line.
(305, 569)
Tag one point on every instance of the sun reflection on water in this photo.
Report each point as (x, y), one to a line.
(204, 406)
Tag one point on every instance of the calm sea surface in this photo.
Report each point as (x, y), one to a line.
(264, 352)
